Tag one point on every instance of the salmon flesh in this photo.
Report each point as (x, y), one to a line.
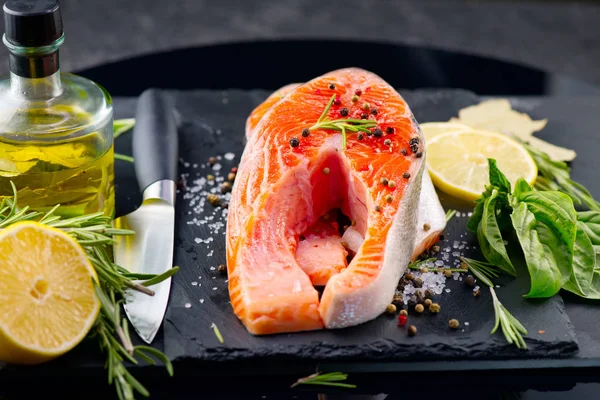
(278, 243)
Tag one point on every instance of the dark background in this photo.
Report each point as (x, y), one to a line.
(558, 36)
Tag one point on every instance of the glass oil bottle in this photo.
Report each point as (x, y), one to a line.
(56, 132)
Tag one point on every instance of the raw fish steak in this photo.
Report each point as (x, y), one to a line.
(287, 181)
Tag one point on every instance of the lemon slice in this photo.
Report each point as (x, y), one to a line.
(47, 298)
(432, 129)
(457, 161)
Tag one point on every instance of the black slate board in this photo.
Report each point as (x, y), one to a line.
(211, 124)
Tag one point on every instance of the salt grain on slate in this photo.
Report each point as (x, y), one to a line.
(194, 283)
(187, 305)
(201, 301)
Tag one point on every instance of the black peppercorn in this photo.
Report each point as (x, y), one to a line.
(305, 132)
(294, 142)
(344, 112)
(389, 130)
(406, 175)
(470, 281)
(360, 136)
(403, 152)
(377, 133)
(331, 86)
(374, 111)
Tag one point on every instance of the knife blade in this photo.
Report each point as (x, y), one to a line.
(150, 250)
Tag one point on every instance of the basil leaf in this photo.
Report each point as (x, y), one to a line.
(478, 211)
(497, 178)
(584, 262)
(490, 239)
(556, 225)
(521, 187)
(545, 275)
(591, 225)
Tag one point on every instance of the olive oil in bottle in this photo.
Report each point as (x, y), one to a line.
(56, 139)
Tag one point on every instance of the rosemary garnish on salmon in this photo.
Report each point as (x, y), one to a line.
(343, 124)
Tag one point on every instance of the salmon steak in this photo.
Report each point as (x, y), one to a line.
(344, 141)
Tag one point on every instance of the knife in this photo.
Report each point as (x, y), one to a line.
(150, 250)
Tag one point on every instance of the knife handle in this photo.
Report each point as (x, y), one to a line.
(155, 146)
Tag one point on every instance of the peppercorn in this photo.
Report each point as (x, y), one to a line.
(360, 136)
(213, 199)
(406, 175)
(369, 133)
(401, 320)
(180, 184)
(305, 132)
(414, 140)
(453, 323)
(222, 269)
(419, 308)
(401, 286)
(302, 238)
(389, 130)
(411, 303)
(424, 270)
(358, 92)
(419, 296)
(387, 142)
(231, 176)
(377, 208)
(418, 283)
(448, 274)
(428, 294)
(390, 309)
(326, 171)
(412, 330)
(212, 160)
(377, 132)
(344, 112)
(224, 204)
(364, 116)
(392, 184)
(470, 281)
(410, 276)
(398, 301)
(419, 155)
(225, 187)
(374, 111)
(331, 86)
(403, 152)
(365, 106)
(354, 98)
(434, 308)
(428, 302)
(210, 177)
(464, 265)
(442, 237)
(384, 181)
(404, 312)
(436, 248)
(426, 227)
(294, 142)
(234, 170)
(337, 101)
(389, 198)
(476, 293)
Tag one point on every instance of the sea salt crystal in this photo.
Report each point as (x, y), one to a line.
(212, 268)
(229, 156)
(466, 324)
(215, 288)
(456, 253)
(447, 290)
(194, 283)
(186, 164)
(210, 253)
(187, 305)
(455, 244)
(439, 263)
(217, 167)
(198, 240)
(201, 301)
(469, 214)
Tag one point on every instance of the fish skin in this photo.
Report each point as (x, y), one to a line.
(272, 203)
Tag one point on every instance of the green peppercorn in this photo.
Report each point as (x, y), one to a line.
(392, 184)
(434, 308)
(476, 293)
(427, 302)
(428, 294)
(326, 171)
(419, 308)
(424, 270)
(412, 330)
(418, 282)
(426, 227)
(390, 309)
(389, 198)
(365, 106)
(448, 274)
(436, 248)
(409, 276)
(454, 324)
(404, 312)
(354, 98)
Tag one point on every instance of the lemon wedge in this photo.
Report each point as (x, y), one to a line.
(47, 298)
(457, 161)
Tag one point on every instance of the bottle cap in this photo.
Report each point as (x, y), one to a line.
(32, 23)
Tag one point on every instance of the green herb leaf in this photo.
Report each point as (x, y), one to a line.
(123, 157)
(584, 262)
(497, 178)
(556, 225)
(521, 187)
(591, 225)
(489, 236)
(120, 126)
(473, 223)
(450, 214)
(546, 277)
(217, 333)
(329, 379)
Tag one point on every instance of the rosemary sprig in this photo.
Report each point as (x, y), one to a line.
(329, 379)
(450, 214)
(512, 329)
(343, 124)
(94, 232)
(120, 126)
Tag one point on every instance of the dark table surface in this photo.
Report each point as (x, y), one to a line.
(268, 65)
